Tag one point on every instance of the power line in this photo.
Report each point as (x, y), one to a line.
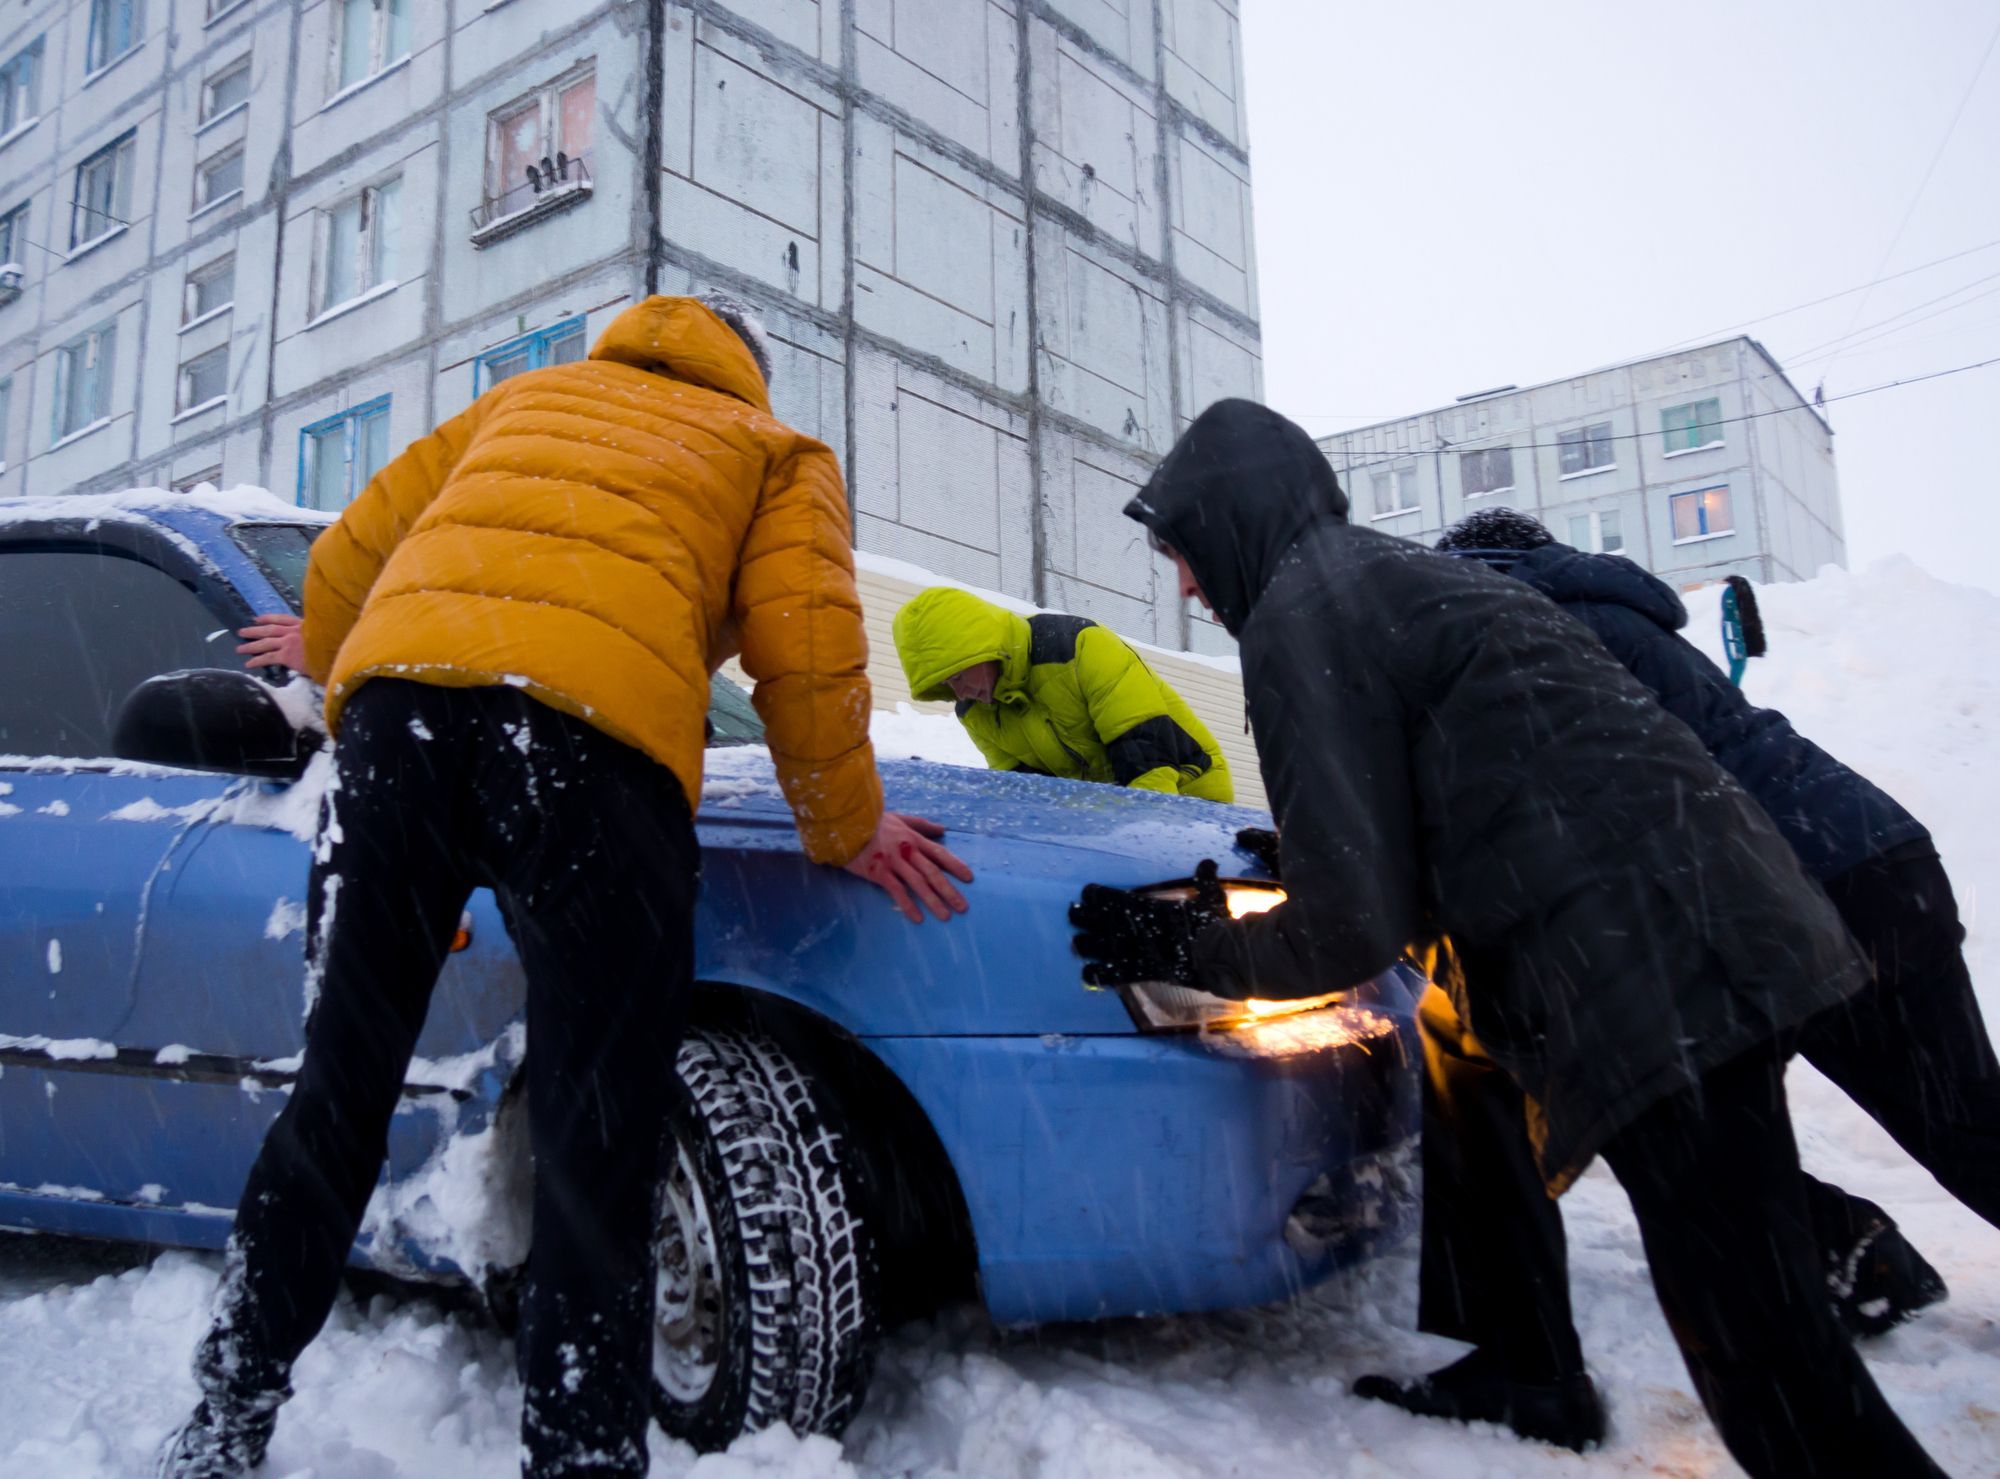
(1890, 333)
(1805, 354)
(1634, 436)
(1985, 246)
(1924, 184)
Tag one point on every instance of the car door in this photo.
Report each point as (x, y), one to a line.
(90, 847)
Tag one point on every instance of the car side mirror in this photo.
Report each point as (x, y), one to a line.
(212, 719)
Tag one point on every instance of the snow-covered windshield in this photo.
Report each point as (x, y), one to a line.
(280, 551)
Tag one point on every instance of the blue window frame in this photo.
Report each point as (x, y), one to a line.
(337, 456)
(557, 344)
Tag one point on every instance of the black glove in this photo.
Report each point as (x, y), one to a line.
(1262, 844)
(1128, 937)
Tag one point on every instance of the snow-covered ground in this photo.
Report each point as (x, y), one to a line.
(1895, 672)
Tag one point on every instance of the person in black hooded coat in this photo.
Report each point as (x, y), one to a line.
(1458, 768)
(1912, 1049)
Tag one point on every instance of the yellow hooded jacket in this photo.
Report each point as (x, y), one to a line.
(1073, 700)
(592, 532)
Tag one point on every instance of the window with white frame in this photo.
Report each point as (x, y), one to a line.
(209, 475)
(115, 28)
(1394, 490)
(1490, 470)
(1702, 514)
(1586, 449)
(225, 89)
(339, 455)
(83, 380)
(14, 233)
(218, 177)
(558, 344)
(103, 193)
(540, 142)
(357, 244)
(368, 37)
(210, 288)
(1597, 531)
(1691, 427)
(204, 379)
(20, 87)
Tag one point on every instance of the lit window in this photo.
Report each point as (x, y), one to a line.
(115, 26)
(556, 345)
(83, 380)
(20, 87)
(210, 287)
(225, 90)
(1488, 471)
(1597, 532)
(339, 455)
(358, 244)
(539, 143)
(1587, 449)
(368, 36)
(218, 177)
(1702, 513)
(204, 378)
(1691, 427)
(103, 193)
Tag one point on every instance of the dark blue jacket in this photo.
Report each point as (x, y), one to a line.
(1834, 819)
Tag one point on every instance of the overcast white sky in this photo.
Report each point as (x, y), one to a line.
(1453, 195)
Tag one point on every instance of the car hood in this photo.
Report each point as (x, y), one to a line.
(1154, 836)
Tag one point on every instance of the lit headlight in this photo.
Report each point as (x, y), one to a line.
(1265, 1028)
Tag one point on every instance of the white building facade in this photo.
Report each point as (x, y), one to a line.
(1003, 246)
(1698, 464)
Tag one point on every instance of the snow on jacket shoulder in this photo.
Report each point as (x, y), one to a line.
(1834, 818)
(1073, 699)
(589, 531)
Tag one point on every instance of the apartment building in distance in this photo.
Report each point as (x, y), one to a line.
(1698, 464)
(1003, 246)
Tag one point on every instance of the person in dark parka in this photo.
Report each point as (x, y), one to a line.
(1457, 767)
(1912, 1049)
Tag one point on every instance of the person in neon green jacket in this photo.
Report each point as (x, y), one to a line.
(1056, 695)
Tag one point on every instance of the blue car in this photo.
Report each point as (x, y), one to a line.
(877, 1116)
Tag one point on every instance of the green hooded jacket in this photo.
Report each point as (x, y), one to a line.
(1073, 700)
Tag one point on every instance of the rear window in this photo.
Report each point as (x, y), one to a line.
(280, 551)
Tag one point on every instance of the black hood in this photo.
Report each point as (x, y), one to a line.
(1565, 574)
(1232, 497)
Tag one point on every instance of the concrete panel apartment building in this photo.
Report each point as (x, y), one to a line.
(1003, 246)
(1698, 464)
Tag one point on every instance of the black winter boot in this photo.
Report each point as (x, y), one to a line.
(224, 1439)
(1881, 1282)
(1565, 1412)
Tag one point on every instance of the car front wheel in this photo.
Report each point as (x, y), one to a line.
(766, 1310)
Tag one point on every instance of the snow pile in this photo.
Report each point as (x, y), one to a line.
(1891, 670)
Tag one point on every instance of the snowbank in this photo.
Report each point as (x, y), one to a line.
(1897, 673)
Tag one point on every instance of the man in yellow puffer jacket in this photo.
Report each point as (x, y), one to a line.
(516, 622)
(1056, 695)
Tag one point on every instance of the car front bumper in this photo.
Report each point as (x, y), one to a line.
(1131, 1174)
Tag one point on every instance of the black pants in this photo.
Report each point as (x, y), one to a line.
(1714, 1180)
(1912, 1048)
(591, 850)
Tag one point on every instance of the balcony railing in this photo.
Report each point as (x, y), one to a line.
(551, 185)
